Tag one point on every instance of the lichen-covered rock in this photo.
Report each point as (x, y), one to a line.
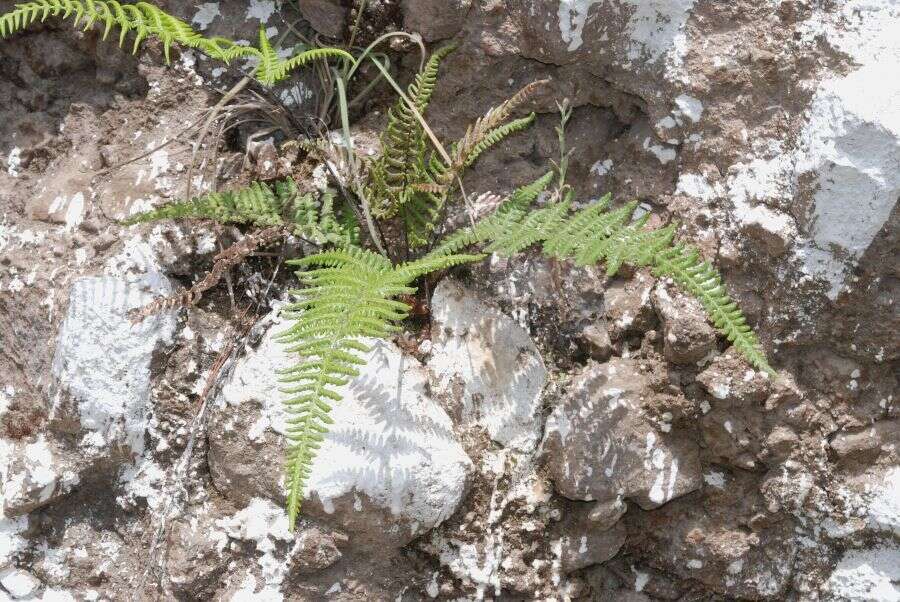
(34, 476)
(390, 468)
(584, 541)
(600, 444)
(488, 365)
(102, 360)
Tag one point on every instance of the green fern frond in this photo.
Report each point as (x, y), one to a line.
(402, 162)
(145, 20)
(349, 297)
(595, 234)
(272, 69)
(683, 264)
(306, 215)
(493, 227)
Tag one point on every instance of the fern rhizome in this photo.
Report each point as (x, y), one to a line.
(348, 293)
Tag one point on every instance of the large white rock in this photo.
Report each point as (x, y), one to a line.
(499, 369)
(391, 466)
(103, 360)
(851, 144)
(33, 475)
(867, 576)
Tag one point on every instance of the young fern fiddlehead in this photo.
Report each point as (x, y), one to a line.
(144, 20)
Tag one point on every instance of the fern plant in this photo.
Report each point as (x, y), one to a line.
(349, 294)
(144, 20)
(308, 216)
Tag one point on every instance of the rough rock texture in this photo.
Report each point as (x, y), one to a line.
(601, 446)
(489, 366)
(548, 432)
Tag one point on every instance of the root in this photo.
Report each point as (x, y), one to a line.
(224, 261)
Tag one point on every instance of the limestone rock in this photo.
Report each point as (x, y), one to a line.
(729, 379)
(884, 434)
(600, 444)
(584, 542)
(316, 550)
(599, 343)
(390, 468)
(488, 364)
(35, 475)
(20, 584)
(102, 360)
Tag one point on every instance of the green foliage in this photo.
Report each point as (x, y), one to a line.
(402, 162)
(408, 180)
(596, 234)
(145, 20)
(308, 216)
(348, 297)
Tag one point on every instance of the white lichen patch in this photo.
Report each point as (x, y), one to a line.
(572, 16)
(205, 14)
(265, 524)
(102, 360)
(13, 161)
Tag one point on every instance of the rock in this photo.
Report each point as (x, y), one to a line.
(600, 444)
(102, 360)
(266, 157)
(733, 437)
(315, 550)
(584, 542)
(390, 468)
(688, 337)
(19, 584)
(435, 21)
(866, 575)
(849, 147)
(193, 562)
(599, 343)
(34, 477)
(884, 434)
(729, 379)
(488, 365)
(246, 447)
(628, 306)
(327, 17)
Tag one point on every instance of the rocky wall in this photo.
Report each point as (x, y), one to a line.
(546, 432)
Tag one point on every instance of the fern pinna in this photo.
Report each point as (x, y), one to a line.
(595, 234)
(145, 20)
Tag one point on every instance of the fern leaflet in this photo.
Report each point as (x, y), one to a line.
(305, 215)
